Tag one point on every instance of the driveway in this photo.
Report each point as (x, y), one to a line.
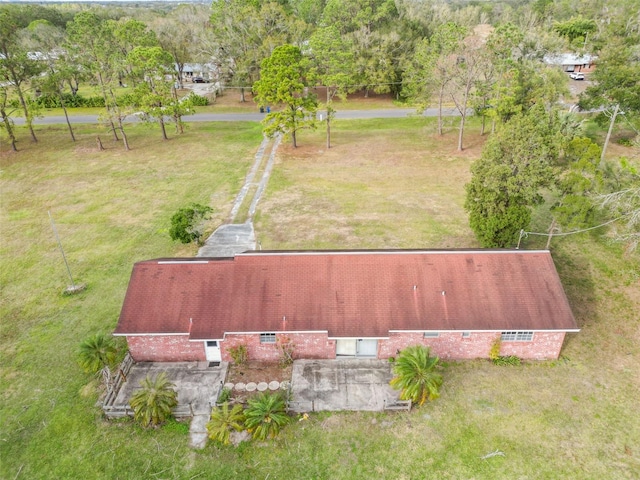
(345, 384)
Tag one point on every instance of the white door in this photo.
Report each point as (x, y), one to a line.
(212, 351)
(346, 346)
(366, 348)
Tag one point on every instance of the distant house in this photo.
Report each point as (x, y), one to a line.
(570, 62)
(346, 303)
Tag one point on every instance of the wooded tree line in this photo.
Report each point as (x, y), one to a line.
(483, 58)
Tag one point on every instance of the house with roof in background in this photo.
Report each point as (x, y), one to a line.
(341, 304)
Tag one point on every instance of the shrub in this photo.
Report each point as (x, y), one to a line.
(415, 375)
(507, 360)
(266, 415)
(197, 100)
(225, 395)
(494, 351)
(224, 421)
(239, 354)
(152, 404)
(97, 352)
(286, 348)
(188, 222)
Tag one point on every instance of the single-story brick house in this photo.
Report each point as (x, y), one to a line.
(570, 62)
(346, 303)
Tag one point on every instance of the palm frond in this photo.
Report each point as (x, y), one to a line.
(415, 375)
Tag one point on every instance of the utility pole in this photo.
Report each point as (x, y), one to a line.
(606, 140)
(552, 228)
(73, 288)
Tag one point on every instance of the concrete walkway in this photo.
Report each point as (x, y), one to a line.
(232, 238)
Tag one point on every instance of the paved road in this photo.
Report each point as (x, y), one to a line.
(253, 117)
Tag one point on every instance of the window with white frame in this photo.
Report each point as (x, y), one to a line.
(431, 334)
(267, 338)
(516, 336)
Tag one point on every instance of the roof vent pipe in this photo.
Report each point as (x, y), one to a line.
(443, 293)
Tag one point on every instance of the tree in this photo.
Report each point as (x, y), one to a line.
(576, 28)
(283, 82)
(152, 404)
(415, 375)
(578, 181)
(224, 421)
(465, 72)
(246, 32)
(7, 123)
(516, 163)
(333, 64)
(265, 415)
(624, 203)
(155, 94)
(97, 354)
(17, 67)
(93, 45)
(183, 32)
(42, 36)
(432, 67)
(187, 223)
(616, 82)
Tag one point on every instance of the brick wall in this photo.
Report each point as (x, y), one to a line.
(165, 348)
(307, 345)
(545, 345)
(178, 348)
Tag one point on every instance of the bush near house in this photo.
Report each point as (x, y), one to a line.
(415, 375)
(153, 404)
(224, 421)
(266, 415)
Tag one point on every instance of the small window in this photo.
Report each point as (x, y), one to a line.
(267, 338)
(212, 343)
(466, 334)
(431, 334)
(516, 336)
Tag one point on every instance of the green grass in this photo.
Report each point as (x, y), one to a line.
(384, 184)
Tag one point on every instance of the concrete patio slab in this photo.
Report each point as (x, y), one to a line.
(197, 384)
(345, 384)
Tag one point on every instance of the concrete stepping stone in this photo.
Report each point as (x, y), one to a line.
(285, 385)
(274, 385)
(262, 386)
(240, 387)
(228, 385)
(251, 386)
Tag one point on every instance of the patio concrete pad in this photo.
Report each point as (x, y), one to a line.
(197, 384)
(344, 384)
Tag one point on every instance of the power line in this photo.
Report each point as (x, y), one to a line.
(524, 234)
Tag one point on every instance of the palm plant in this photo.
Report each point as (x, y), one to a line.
(153, 403)
(266, 415)
(97, 354)
(223, 421)
(415, 375)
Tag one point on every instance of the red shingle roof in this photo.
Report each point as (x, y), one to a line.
(347, 293)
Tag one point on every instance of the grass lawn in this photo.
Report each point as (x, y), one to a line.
(383, 185)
